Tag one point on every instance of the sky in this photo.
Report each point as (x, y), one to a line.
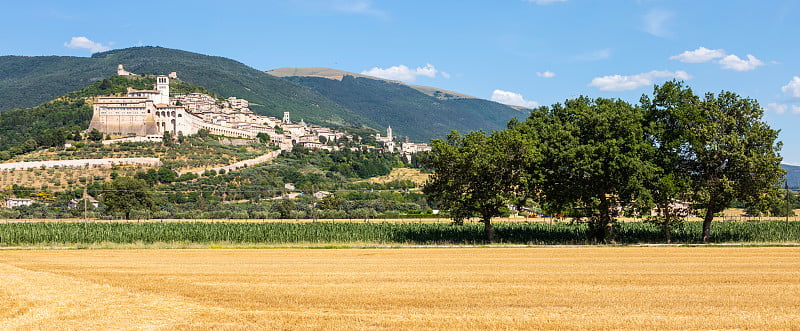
(521, 52)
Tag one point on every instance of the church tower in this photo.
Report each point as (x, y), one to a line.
(162, 85)
(389, 133)
(286, 118)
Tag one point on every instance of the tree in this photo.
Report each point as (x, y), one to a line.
(125, 194)
(733, 153)
(719, 144)
(471, 176)
(666, 133)
(168, 139)
(330, 202)
(593, 161)
(166, 175)
(95, 135)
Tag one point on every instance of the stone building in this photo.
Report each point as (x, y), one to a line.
(152, 112)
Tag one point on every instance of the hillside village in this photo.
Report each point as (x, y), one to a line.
(150, 114)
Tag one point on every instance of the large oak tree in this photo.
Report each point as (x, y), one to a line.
(721, 144)
(593, 161)
(475, 174)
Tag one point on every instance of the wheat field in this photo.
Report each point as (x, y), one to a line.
(409, 288)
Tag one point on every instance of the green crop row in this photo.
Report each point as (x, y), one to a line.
(37, 233)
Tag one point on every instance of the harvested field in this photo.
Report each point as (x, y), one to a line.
(459, 288)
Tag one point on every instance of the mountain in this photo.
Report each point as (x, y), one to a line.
(322, 96)
(792, 175)
(418, 112)
(29, 81)
(339, 74)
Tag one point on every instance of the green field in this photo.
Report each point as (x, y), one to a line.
(559, 233)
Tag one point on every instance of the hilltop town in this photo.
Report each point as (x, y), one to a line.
(152, 114)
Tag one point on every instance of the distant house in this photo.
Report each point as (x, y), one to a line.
(321, 194)
(78, 203)
(676, 207)
(16, 202)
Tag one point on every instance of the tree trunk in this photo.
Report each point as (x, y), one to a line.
(604, 231)
(667, 232)
(488, 229)
(667, 223)
(707, 225)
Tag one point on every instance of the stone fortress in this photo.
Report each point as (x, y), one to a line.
(152, 113)
(149, 114)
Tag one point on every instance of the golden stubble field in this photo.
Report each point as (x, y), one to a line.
(412, 288)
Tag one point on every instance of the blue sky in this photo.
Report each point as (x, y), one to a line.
(527, 52)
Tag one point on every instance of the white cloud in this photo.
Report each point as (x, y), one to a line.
(781, 109)
(546, 74)
(735, 63)
(777, 108)
(545, 2)
(624, 83)
(699, 55)
(597, 55)
(793, 88)
(403, 73)
(83, 42)
(655, 21)
(731, 61)
(511, 98)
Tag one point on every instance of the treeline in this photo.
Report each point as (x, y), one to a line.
(595, 159)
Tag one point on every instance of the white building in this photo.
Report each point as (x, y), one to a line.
(16, 202)
(151, 113)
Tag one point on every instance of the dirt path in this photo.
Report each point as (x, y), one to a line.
(244, 164)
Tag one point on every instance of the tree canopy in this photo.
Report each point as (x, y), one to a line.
(125, 194)
(593, 159)
(720, 143)
(597, 158)
(474, 174)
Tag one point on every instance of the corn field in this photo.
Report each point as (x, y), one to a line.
(38, 233)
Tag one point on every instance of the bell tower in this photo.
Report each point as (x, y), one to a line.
(389, 133)
(162, 85)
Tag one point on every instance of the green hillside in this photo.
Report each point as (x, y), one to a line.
(409, 111)
(792, 175)
(418, 112)
(54, 122)
(29, 81)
